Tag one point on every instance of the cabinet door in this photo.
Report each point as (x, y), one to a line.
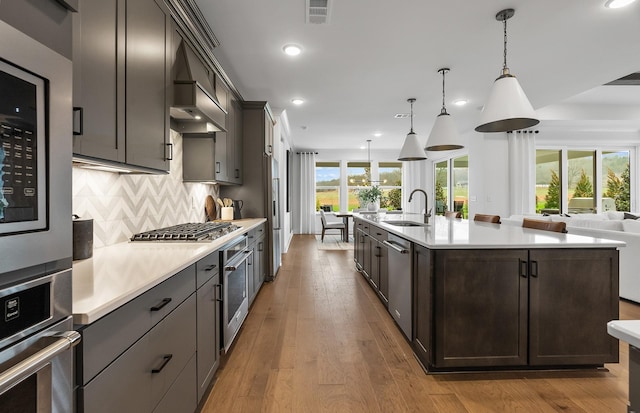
(97, 44)
(262, 255)
(573, 294)
(148, 41)
(480, 308)
(237, 141)
(124, 386)
(383, 271)
(268, 134)
(374, 273)
(208, 330)
(172, 343)
(423, 301)
(221, 156)
(198, 154)
(180, 398)
(366, 254)
(358, 248)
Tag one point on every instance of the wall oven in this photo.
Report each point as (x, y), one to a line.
(235, 302)
(37, 337)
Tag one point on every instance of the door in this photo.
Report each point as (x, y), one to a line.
(562, 284)
(480, 308)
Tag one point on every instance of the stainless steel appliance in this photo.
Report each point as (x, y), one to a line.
(35, 157)
(36, 336)
(35, 226)
(207, 231)
(400, 284)
(235, 303)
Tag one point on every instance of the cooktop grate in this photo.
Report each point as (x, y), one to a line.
(207, 231)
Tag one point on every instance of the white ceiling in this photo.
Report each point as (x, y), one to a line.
(356, 72)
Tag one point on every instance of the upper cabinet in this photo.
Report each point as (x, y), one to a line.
(122, 84)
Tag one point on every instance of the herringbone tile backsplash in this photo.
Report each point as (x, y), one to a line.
(122, 205)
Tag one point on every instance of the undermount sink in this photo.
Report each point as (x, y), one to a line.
(406, 223)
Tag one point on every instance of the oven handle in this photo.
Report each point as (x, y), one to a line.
(35, 362)
(236, 263)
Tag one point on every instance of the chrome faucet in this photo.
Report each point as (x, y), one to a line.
(427, 213)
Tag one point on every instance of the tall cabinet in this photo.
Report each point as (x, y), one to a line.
(122, 83)
(257, 182)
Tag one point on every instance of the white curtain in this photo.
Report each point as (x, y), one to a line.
(307, 215)
(522, 176)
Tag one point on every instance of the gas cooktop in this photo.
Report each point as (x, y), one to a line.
(207, 231)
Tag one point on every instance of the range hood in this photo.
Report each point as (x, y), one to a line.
(194, 108)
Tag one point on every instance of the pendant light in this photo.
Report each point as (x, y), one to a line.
(411, 150)
(507, 108)
(443, 136)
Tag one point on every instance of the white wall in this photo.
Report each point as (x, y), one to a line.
(282, 139)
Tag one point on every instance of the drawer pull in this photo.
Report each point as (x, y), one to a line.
(159, 307)
(211, 267)
(218, 287)
(166, 359)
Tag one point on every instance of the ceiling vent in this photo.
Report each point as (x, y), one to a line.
(630, 80)
(401, 115)
(318, 11)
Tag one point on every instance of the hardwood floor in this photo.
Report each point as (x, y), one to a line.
(318, 339)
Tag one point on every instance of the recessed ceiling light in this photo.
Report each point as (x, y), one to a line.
(363, 147)
(292, 49)
(197, 117)
(616, 4)
(460, 102)
(377, 134)
(297, 101)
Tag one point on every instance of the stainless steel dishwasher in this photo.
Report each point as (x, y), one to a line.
(400, 282)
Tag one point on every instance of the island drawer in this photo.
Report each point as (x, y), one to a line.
(110, 336)
(378, 234)
(254, 234)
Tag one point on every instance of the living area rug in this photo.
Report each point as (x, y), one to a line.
(333, 242)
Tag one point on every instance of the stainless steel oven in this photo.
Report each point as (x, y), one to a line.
(235, 301)
(37, 337)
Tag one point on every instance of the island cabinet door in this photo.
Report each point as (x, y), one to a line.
(422, 302)
(573, 294)
(480, 308)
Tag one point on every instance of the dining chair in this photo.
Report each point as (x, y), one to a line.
(544, 225)
(330, 221)
(453, 214)
(494, 219)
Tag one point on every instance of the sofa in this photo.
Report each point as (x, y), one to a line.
(608, 225)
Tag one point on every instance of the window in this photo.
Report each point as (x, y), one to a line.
(548, 188)
(358, 175)
(328, 186)
(616, 181)
(593, 180)
(452, 185)
(390, 174)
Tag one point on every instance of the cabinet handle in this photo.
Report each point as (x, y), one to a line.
(218, 288)
(80, 112)
(379, 252)
(270, 148)
(237, 173)
(170, 146)
(165, 360)
(217, 167)
(260, 246)
(399, 248)
(523, 268)
(230, 268)
(158, 307)
(211, 267)
(534, 269)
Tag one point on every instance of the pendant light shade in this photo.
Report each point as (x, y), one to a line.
(507, 108)
(411, 150)
(444, 135)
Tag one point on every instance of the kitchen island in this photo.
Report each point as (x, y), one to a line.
(490, 296)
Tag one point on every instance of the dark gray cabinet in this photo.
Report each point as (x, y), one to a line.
(423, 298)
(372, 257)
(132, 358)
(122, 62)
(258, 261)
(208, 331)
(500, 308)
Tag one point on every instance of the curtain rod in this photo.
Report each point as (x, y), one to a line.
(307, 153)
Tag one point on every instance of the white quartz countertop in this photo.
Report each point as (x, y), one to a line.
(118, 273)
(625, 330)
(448, 233)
